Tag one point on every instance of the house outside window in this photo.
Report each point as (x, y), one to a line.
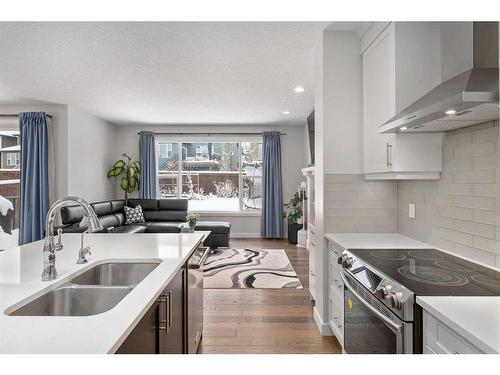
(202, 152)
(12, 159)
(213, 176)
(165, 150)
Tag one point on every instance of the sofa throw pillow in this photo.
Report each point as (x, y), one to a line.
(134, 215)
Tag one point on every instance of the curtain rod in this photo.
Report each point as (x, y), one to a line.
(210, 134)
(17, 115)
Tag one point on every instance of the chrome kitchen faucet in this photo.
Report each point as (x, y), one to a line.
(50, 247)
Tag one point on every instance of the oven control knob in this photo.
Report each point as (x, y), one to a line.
(394, 300)
(383, 291)
(347, 262)
(341, 258)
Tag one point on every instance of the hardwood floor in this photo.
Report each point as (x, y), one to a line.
(264, 321)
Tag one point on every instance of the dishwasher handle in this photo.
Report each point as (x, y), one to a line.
(196, 266)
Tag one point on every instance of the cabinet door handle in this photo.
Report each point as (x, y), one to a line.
(388, 152)
(170, 309)
(312, 243)
(163, 323)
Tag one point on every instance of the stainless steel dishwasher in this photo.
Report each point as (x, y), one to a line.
(195, 298)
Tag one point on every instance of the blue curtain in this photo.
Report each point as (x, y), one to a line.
(34, 176)
(147, 157)
(272, 191)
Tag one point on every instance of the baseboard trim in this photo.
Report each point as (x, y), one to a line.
(324, 328)
(245, 235)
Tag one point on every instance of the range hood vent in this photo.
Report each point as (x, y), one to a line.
(464, 100)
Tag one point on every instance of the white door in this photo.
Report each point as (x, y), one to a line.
(379, 101)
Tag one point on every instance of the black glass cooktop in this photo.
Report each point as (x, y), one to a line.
(431, 272)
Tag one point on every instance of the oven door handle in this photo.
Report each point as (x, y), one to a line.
(386, 320)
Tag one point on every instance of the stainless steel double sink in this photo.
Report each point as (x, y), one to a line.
(95, 291)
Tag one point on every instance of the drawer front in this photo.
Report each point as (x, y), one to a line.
(335, 311)
(335, 249)
(443, 340)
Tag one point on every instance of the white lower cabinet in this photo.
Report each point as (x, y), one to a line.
(441, 339)
(311, 246)
(335, 292)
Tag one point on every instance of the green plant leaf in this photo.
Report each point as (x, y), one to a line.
(115, 172)
(119, 163)
(124, 184)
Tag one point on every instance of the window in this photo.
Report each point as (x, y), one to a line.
(12, 159)
(213, 176)
(165, 150)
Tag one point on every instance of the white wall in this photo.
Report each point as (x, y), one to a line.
(339, 140)
(342, 111)
(83, 150)
(293, 159)
(59, 125)
(91, 153)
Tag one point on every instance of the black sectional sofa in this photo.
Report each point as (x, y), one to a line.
(160, 215)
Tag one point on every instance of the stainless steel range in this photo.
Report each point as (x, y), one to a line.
(380, 286)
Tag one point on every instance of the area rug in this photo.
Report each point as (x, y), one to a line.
(249, 268)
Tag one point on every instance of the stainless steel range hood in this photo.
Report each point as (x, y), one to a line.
(466, 99)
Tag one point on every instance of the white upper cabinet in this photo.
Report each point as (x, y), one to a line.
(402, 64)
(379, 101)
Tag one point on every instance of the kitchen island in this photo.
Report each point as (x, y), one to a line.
(20, 283)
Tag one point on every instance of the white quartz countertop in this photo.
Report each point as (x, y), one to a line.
(477, 319)
(20, 270)
(375, 241)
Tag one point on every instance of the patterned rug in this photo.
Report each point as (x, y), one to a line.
(249, 268)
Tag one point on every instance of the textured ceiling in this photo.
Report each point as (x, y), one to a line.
(166, 72)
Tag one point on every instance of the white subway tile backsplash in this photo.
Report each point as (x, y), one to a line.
(474, 177)
(455, 212)
(474, 150)
(489, 162)
(487, 244)
(458, 165)
(453, 236)
(378, 195)
(339, 203)
(485, 135)
(353, 204)
(486, 217)
(474, 201)
(450, 188)
(490, 190)
(472, 253)
(465, 201)
(484, 230)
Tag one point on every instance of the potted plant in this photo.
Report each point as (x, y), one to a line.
(192, 219)
(293, 213)
(130, 171)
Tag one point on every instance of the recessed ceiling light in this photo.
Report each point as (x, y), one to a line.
(403, 128)
(286, 112)
(450, 111)
(298, 89)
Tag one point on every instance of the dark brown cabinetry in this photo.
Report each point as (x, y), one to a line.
(161, 330)
(174, 323)
(144, 337)
(171, 328)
